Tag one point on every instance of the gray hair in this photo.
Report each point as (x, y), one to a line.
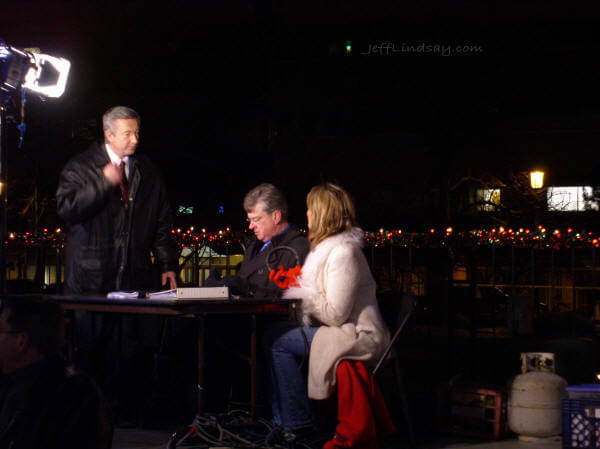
(116, 113)
(270, 195)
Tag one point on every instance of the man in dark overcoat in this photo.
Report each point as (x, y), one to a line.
(114, 202)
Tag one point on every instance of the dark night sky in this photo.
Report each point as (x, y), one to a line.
(239, 93)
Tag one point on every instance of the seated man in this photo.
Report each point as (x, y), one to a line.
(278, 243)
(43, 402)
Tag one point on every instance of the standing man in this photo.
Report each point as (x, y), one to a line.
(115, 204)
(277, 243)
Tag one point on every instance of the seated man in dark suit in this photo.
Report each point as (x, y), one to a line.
(278, 243)
(44, 404)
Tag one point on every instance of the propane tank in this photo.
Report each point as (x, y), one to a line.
(535, 395)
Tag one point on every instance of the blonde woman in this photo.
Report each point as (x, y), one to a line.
(340, 315)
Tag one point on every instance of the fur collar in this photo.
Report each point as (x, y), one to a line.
(316, 259)
(310, 288)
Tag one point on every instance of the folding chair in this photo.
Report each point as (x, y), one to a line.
(408, 303)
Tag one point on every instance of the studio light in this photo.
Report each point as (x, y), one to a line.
(21, 73)
(43, 74)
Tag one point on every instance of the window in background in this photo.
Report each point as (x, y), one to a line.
(488, 199)
(571, 199)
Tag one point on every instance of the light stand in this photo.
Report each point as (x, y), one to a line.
(3, 199)
(20, 72)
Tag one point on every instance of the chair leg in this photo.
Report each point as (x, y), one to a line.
(405, 408)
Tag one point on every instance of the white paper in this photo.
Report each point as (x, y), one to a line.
(123, 295)
(163, 294)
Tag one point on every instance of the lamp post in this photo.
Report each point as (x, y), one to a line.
(3, 199)
(537, 179)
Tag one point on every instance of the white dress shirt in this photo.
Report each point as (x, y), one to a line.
(117, 160)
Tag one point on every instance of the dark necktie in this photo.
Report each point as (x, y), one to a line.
(124, 183)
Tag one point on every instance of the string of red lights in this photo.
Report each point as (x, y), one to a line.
(538, 238)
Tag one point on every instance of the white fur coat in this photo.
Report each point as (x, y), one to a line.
(338, 290)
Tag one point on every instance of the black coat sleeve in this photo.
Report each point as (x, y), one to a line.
(82, 192)
(265, 288)
(164, 245)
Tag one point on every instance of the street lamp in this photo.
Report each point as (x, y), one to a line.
(537, 179)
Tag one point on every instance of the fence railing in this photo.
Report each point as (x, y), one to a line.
(565, 279)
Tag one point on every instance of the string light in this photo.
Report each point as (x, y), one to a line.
(539, 238)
